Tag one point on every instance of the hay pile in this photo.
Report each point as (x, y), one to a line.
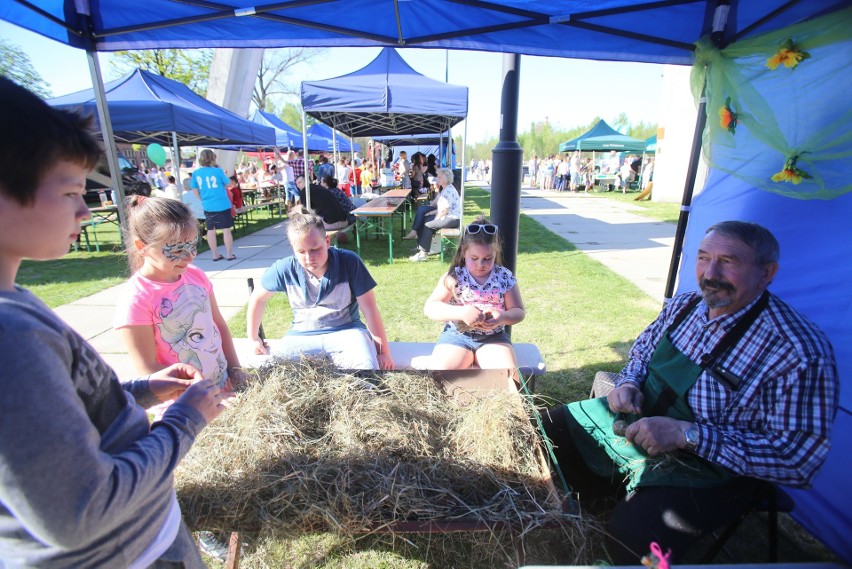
(309, 448)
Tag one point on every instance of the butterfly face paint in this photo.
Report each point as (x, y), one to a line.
(181, 250)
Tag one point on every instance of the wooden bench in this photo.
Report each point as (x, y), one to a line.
(449, 237)
(334, 234)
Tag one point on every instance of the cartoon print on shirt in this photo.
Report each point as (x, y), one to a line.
(190, 331)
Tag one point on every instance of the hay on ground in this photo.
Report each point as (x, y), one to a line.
(309, 448)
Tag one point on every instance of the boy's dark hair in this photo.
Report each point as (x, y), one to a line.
(329, 181)
(35, 138)
(171, 179)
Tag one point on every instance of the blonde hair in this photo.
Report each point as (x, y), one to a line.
(301, 221)
(154, 220)
(207, 158)
(480, 238)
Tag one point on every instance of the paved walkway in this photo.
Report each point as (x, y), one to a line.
(636, 247)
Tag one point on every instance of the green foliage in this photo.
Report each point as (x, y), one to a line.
(542, 139)
(16, 65)
(188, 66)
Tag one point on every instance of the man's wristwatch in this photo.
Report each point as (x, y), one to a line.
(691, 436)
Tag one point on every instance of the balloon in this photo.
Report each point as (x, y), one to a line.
(157, 154)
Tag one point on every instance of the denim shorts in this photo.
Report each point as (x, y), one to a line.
(471, 340)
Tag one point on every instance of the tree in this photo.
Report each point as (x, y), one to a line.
(272, 78)
(188, 66)
(16, 65)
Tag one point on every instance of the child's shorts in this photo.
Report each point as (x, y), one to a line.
(471, 340)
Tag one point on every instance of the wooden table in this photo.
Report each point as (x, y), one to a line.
(378, 214)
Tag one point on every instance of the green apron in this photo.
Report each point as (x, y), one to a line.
(670, 376)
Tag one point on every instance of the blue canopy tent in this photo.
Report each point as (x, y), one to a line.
(651, 145)
(603, 137)
(285, 136)
(658, 31)
(325, 132)
(386, 97)
(147, 108)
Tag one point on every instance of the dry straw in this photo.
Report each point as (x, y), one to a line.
(309, 448)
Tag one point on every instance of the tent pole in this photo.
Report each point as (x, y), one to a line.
(507, 163)
(686, 203)
(464, 147)
(305, 158)
(106, 129)
(176, 161)
(334, 149)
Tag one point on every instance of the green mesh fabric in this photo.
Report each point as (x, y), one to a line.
(792, 122)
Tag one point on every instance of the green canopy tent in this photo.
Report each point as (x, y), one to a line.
(651, 145)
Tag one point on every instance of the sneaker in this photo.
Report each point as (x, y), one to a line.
(212, 546)
(420, 256)
(411, 235)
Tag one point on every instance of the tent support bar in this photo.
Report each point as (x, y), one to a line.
(630, 9)
(106, 128)
(224, 11)
(632, 35)
(48, 16)
(688, 190)
(764, 19)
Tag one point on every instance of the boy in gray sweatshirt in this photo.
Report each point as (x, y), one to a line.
(85, 481)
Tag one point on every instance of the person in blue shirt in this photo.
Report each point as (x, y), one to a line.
(326, 288)
(210, 185)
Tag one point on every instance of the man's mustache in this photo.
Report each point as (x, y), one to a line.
(713, 283)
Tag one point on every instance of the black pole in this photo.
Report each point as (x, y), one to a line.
(507, 164)
(688, 189)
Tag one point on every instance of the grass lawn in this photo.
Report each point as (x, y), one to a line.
(82, 273)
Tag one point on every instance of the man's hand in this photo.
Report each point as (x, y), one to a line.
(658, 435)
(626, 398)
(169, 383)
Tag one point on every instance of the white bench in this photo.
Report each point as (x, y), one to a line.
(410, 355)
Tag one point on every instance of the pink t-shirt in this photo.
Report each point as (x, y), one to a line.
(182, 317)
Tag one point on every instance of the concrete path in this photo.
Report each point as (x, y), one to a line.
(636, 247)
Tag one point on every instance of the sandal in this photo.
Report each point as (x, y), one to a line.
(231, 258)
(219, 258)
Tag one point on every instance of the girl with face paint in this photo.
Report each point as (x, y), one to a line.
(169, 313)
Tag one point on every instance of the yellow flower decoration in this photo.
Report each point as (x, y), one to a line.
(791, 173)
(728, 119)
(787, 55)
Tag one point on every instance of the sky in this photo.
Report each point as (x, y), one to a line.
(565, 92)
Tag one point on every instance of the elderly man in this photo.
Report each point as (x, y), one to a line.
(727, 388)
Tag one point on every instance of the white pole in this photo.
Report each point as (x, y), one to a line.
(176, 161)
(106, 130)
(305, 158)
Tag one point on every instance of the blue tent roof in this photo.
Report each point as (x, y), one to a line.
(414, 139)
(320, 130)
(651, 144)
(387, 97)
(620, 30)
(146, 108)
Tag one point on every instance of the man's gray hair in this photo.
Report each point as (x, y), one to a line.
(760, 239)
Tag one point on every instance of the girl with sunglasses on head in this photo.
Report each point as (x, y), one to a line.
(477, 298)
(169, 313)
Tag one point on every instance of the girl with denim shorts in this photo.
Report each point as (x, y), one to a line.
(477, 298)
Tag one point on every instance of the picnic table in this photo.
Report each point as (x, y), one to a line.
(378, 214)
(99, 215)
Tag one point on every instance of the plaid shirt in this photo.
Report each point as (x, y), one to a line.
(299, 166)
(775, 425)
